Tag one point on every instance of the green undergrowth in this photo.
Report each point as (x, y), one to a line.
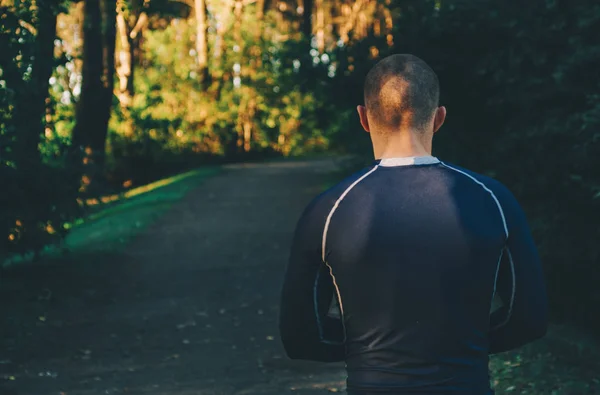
(109, 227)
(565, 362)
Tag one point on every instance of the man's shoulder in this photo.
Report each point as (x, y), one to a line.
(327, 199)
(488, 181)
(316, 212)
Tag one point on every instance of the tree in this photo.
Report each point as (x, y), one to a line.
(35, 199)
(202, 41)
(307, 14)
(95, 101)
(30, 93)
(132, 18)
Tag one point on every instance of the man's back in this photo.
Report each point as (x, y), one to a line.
(413, 251)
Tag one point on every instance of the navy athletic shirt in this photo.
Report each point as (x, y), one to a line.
(395, 271)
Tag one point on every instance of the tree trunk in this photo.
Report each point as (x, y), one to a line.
(135, 40)
(93, 107)
(87, 118)
(32, 112)
(237, 39)
(249, 124)
(129, 35)
(352, 20)
(125, 63)
(260, 16)
(320, 25)
(109, 33)
(307, 19)
(221, 30)
(237, 23)
(256, 49)
(202, 41)
(218, 75)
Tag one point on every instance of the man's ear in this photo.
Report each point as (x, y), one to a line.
(364, 121)
(440, 117)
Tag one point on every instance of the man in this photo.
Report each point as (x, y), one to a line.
(413, 252)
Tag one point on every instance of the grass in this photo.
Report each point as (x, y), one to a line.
(112, 227)
(565, 362)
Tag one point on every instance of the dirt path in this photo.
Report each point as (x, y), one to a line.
(191, 308)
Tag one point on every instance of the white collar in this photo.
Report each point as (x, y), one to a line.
(408, 161)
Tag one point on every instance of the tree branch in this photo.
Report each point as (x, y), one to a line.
(141, 23)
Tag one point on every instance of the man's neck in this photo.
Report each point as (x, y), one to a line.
(403, 144)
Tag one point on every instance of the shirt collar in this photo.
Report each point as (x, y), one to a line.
(407, 161)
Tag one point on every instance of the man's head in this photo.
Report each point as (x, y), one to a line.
(401, 94)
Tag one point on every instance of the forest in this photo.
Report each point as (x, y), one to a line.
(100, 96)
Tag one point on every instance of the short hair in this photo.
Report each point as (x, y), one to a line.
(402, 89)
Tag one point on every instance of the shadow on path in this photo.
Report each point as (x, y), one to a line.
(190, 308)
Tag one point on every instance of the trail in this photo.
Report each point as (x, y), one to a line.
(190, 308)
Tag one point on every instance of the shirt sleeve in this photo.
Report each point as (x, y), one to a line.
(306, 330)
(520, 284)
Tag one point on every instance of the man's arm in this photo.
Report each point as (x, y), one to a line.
(307, 292)
(523, 317)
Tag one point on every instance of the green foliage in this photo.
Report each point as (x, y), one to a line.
(258, 102)
(254, 85)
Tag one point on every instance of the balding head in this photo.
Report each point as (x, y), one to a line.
(401, 91)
